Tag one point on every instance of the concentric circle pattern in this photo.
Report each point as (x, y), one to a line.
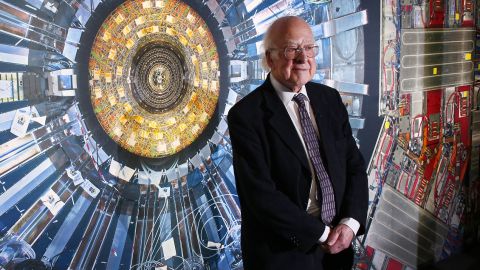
(154, 76)
(159, 81)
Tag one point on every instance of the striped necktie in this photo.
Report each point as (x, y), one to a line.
(311, 141)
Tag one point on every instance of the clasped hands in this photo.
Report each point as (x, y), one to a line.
(340, 238)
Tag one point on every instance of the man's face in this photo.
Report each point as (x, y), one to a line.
(296, 72)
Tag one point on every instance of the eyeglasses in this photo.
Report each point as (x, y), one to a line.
(291, 53)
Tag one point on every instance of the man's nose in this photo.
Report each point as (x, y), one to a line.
(301, 56)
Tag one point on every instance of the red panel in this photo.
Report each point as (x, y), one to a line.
(430, 152)
(463, 119)
(461, 115)
(394, 265)
(431, 164)
(436, 13)
(370, 251)
(433, 106)
(467, 13)
(420, 196)
(416, 181)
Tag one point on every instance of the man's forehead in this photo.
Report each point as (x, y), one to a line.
(299, 41)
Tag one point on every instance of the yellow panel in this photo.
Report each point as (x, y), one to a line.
(147, 4)
(139, 119)
(204, 116)
(170, 19)
(142, 33)
(127, 107)
(96, 74)
(119, 71)
(117, 131)
(123, 119)
(157, 135)
(189, 32)
(144, 134)
(121, 92)
(183, 40)
(191, 117)
(98, 92)
(200, 49)
(131, 140)
(171, 121)
(213, 64)
(108, 77)
(106, 36)
(195, 128)
(152, 124)
(182, 127)
(126, 30)
(140, 20)
(119, 18)
(112, 54)
(112, 100)
(213, 85)
(170, 31)
(130, 43)
(186, 109)
(159, 4)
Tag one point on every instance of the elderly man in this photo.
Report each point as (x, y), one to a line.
(300, 177)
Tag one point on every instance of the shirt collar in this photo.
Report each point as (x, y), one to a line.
(285, 94)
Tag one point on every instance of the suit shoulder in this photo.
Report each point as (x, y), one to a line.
(247, 105)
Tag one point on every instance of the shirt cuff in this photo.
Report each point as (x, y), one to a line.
(325, 234)
(352, 223)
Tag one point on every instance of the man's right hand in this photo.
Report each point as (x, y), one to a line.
(339, 239)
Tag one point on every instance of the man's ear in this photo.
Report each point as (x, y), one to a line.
(268, 56)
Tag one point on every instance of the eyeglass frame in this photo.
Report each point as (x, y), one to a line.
(297, 51)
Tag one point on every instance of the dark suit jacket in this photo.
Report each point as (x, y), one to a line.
(273, 179)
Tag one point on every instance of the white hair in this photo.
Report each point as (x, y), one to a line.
(267, 45)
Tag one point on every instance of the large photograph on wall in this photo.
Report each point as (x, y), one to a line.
(114, 146)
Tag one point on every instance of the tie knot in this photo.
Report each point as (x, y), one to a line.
(299, 99)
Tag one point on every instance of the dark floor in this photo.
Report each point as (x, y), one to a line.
(469, 260)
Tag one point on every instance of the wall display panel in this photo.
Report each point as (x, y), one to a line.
(424, 169)
(155, 76)
(115, 151)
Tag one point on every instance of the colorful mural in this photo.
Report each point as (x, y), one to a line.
(114, 145)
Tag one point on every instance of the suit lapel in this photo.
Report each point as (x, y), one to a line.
(282, 124)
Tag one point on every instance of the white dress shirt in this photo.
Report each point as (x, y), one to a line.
(313, 206)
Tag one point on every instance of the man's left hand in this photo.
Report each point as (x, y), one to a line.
(339, 239)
